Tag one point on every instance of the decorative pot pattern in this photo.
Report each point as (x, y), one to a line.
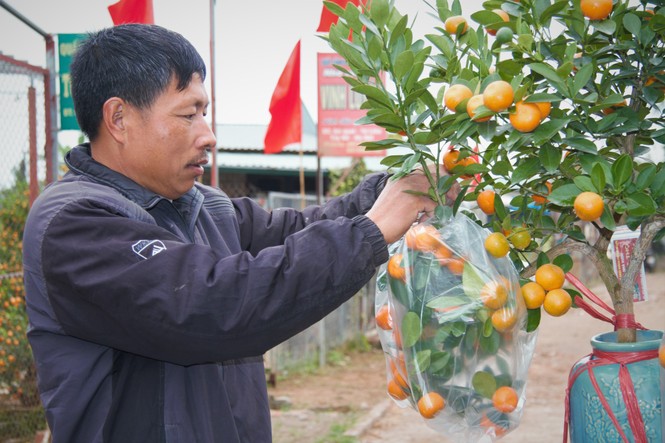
(589, 420)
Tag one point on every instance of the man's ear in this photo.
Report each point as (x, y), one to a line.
(114, 111)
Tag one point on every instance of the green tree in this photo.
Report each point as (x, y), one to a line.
(603, 79)
(344, 180)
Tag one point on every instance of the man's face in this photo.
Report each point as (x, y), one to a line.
(167, 144)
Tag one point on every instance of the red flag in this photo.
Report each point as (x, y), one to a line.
(286, 123)
(328, 18)
(132, 11)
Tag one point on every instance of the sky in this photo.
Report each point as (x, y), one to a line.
(253, 41)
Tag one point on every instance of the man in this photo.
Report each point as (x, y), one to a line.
(151, 297)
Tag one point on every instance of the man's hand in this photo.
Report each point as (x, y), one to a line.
(396, 210)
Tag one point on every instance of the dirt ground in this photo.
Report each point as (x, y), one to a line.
(348, 403)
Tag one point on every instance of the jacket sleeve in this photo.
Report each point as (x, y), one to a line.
(260, 229)
(186, 303)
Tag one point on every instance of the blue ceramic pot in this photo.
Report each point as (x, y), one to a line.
(589, 422)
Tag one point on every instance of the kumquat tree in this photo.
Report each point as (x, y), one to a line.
(548, 113)
(17, 375)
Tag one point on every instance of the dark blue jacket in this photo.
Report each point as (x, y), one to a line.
(149, 317)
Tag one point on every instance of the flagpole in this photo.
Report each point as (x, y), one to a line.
(303, 201)
(214, 176)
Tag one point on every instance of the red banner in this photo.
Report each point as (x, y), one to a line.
(339, 109)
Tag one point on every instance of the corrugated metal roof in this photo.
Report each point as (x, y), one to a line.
(240, 148)
(264, 163)
(249, 137)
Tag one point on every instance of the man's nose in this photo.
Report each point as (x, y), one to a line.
(207, 136)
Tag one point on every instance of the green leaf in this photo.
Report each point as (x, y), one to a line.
(584, 183)
(581, 144)
(582, 77)
(380, 145)
(640, 204)
(355, 20)
(564, 261)
(403, 64)
(472, 281)
(499, 208)
(490, 344)
(392, 161)
(360, 21)
(645, 176)
(374, 50)
(484, 384)
(439, 360)
(502, 167)
(607, 27)
(658, 184)
(542, 259)
(448, 301)
(550, 157)
(389, 120)
(380, 12)
(411, 329)
(423, 360)
(546, 71)
(399, 290)
(611, 100)
(557, 7)
(542, 97)
(633, 24)
(414, 75)
(375, 93)
(460, 199)
(442, 43)
(397, 30)
(549, 129)
(598, 177)
(334, 8)
(607, 219)
(532, 319)
(622, 171)
(488, 327)
(458, 329)
(539, 8)
(525, 170)
(564, 195)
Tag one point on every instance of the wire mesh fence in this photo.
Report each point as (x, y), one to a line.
(22, 130)
(351, 319)
(22, 119)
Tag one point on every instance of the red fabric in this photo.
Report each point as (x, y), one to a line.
(132, 11)
(620, 321)
(605, 358)
(286, 122)
(627, 389)
(328, 18)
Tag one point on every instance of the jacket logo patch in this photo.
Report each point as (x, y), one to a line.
(148, 248)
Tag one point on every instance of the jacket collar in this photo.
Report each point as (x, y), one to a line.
(80, 162)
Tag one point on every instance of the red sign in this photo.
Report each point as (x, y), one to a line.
(339, 109)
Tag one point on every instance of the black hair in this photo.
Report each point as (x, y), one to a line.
(134, 62)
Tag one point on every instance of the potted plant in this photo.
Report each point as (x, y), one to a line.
(549, 115)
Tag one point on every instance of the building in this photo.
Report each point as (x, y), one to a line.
(244, 170)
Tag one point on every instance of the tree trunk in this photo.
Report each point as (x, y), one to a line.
(623, 304)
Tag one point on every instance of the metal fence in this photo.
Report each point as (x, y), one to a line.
(23, 129)
(24, 121)
(346, 323)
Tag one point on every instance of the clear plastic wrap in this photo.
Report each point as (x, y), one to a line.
(451, 322)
